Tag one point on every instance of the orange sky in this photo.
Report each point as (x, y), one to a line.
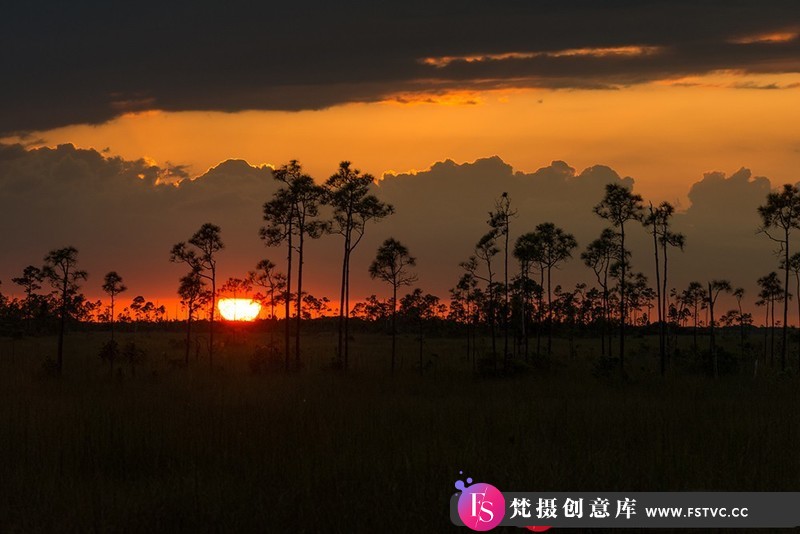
(664, 134)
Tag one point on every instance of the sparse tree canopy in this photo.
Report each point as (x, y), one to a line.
(392, 264)
(292, 216)
(779, 216)
(347, 192)
(112, 284)
(267, 277)
(620, 206)
(202, 260)
(60, 269)
(31, 279)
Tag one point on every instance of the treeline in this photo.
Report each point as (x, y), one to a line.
(508, 291)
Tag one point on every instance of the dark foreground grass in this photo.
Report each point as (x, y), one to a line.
(196, 450)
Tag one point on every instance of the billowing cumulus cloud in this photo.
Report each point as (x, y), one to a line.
(68, 63)
(118, 213)
(125, 215)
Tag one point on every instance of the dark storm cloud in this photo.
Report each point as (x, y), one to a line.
(86, 62)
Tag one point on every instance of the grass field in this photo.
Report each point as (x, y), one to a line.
(223, 450)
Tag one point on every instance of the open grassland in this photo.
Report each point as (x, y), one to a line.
(220, 449)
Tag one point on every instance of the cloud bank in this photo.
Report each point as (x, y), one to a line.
(125, 215)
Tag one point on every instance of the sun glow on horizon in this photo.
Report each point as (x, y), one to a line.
(239, 309)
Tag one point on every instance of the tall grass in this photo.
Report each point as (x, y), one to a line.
(221, 450)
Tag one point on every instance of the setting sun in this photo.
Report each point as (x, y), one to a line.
(239, 309)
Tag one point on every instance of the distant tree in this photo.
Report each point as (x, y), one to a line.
(420, 308)
(781, 214)
(202, 259)
(529, 252)
(694, 298)
(567, 306)
(771, 292)
(113, 286)
(620, 206)
(293, 212)
(391, 265)
(741, 318)
(279, 215)
(61, 271)
(463, 300)
(499, 221)
(372, 309)
(137, 306)
(266, 276)
(348, 193)
(794, 266)
(485, 250)
(315, 306)
(715, 287)
(307, 197)
(523, 289)
(193, 294)
(555, 248)
(658, 223)
(600, 256)
(640, 296)
(30, 282)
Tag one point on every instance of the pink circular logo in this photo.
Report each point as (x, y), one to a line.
(481, 506)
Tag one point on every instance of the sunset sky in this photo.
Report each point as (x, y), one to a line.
(662, 92)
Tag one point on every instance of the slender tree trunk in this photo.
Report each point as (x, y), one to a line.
(287, 301)
(525, 307)
(540, 314)
(785, 342)
(797, 297)
(188, 337)
(112, 317)
(471, 336)
(549, 313)
(347, 313)
(505, 289)
(394, 322)
(211, 323)
(766, 332)
(665, 306)
(711, 323)
(661, 347)
(492, 315)
(772, 336)
(605, 336)
(467, 325)
(741, 331)
(62, 325)
(299, 300)
(112, 352)
(622, 301)
(340, 352)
